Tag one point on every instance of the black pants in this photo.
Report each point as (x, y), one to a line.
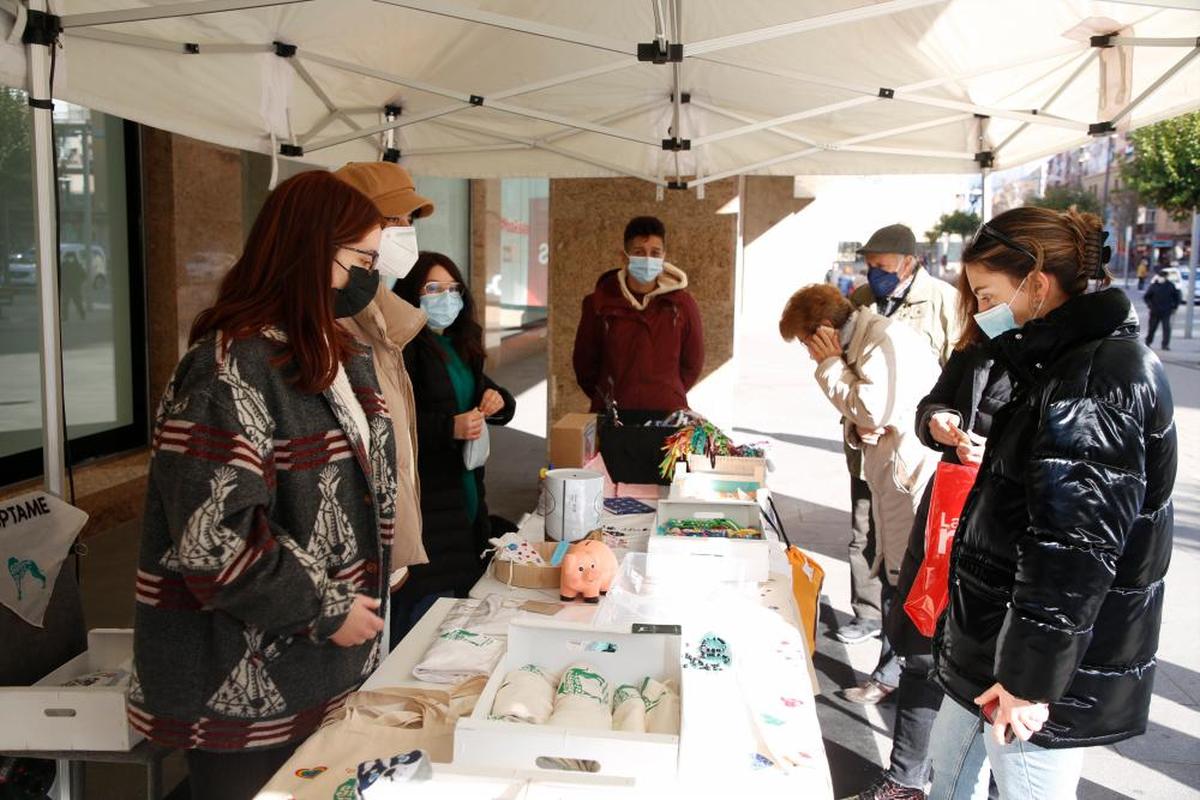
(1157, 319)
(407, 610)
(917, 702)
(864, 588)
(888, 669)
(236, 775)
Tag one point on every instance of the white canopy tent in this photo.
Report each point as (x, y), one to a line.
(677, 92)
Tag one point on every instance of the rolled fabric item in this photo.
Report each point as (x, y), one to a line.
(525, 695)
(662, 706)
(629, 710)
(583, 699)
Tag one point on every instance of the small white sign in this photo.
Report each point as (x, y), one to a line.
(37, 531)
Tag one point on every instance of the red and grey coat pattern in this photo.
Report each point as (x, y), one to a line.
(266, 513)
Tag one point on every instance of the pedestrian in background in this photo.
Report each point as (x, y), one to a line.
(1162, 299)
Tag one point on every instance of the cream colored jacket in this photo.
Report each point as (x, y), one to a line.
(388, 324)
(885, 372)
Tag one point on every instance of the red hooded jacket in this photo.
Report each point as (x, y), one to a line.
(645, 358)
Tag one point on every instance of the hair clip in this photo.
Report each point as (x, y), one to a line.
(1103, 255)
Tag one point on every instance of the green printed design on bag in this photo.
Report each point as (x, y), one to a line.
(462, 635)
(624, 693)
(581, 681)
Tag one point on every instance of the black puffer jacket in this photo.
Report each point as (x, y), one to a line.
(452, 542)
(1057, 569)
(975, 387)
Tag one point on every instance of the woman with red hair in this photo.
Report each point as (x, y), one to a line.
(270, 504)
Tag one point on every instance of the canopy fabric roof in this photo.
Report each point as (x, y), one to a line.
(491, 88)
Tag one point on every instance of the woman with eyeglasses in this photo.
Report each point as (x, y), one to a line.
(1056, 584)
(262, 573)
(455, 399)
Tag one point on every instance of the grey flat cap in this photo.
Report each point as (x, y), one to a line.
(891, 239)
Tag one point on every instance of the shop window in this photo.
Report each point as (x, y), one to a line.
(100, 284)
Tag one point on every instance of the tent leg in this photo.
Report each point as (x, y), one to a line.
(50, 341)
(1194, 264)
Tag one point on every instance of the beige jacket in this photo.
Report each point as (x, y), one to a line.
(878, 383)
(388, 324)
(931, 309)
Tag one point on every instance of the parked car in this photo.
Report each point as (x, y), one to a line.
(22, 266)
(22, 269)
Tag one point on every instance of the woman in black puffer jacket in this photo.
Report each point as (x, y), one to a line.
(454, 400)
(1056, 581)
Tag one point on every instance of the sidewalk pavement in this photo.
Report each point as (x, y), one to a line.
(777, 401)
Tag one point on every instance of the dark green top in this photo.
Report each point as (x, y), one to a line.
(463, 380)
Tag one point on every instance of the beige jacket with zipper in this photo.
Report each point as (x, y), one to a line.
(388, 324)
(930, 307)
(879, 381)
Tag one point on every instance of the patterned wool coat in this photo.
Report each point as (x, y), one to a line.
(265, 514)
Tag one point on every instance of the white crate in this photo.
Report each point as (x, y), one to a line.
(50, 716)
(748, 559)
(648, 757)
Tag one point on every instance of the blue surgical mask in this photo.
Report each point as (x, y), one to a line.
(645, 269)
(999, 320)
(882, 282)
(441, 308)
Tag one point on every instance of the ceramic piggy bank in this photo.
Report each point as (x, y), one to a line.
(588, 570)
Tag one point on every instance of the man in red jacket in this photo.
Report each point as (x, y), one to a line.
(640, 341)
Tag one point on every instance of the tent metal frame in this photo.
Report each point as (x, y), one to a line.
(666, 47)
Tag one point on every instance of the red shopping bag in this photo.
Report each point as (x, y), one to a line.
(931, 591)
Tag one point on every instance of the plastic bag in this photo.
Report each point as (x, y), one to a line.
(476, 451)
(931, 590)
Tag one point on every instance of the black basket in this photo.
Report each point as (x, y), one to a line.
(632, 451)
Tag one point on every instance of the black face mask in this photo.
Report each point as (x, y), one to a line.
(357, 294)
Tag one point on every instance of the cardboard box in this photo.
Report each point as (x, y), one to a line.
(647, 757)
(529, 576)
(573, 441)
(50, 716)
(744, 559)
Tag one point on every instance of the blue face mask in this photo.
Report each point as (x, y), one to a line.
(441, 308)
(999, 320)
(645, 269)
(882, 282)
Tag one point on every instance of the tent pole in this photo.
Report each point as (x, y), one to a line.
(46, 219)
(1154, 87)
(550, 148)
(1083, 65)
(1194, 261)
(330, 106)
(864, 12)
(545, 31)
(842, 144)
(192, 9)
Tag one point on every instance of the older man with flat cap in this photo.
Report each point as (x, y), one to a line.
(900, 288)
(387, 324)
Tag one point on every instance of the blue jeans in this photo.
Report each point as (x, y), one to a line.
(962, 749)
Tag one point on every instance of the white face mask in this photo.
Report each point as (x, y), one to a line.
(397, 251)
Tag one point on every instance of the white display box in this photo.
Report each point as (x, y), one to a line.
(483, 742)
(715, 487)
(748, 559)
(50, 716)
